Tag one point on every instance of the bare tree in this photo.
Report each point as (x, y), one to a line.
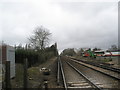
(40, 38)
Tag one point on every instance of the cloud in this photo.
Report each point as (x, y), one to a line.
(72, 24)
(96, 29)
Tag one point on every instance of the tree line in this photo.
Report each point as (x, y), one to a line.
(37, 50)
(34, 56)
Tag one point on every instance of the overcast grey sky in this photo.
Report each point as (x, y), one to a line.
(73, 24)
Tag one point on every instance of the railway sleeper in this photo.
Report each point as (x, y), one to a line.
(81, 87)
(77, 84)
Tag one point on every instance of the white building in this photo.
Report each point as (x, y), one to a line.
(8, 54)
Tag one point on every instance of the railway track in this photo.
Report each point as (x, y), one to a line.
(106, 80)
(99, 65)
(111, 73)
(73, 78)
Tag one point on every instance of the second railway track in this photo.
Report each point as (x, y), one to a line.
(107, 67)
(111, 73)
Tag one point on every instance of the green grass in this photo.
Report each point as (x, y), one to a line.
(91, 59)
(33, 72)
(0, 74)
(17, 82)
(0, 78)
(106, 60)
(19, 72)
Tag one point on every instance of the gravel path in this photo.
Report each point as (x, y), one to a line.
(52, 78)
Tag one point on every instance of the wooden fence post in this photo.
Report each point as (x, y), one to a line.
(25, 74)
(7, 75)
(46, 85)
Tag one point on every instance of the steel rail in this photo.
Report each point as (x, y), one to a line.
(101, 66)
(99, 71)
(94, 85)
(63, 75)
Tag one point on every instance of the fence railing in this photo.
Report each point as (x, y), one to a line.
(7, 80)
